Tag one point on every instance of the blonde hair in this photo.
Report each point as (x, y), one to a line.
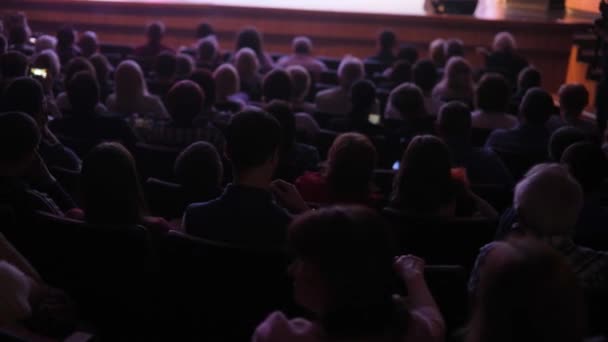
(227, 81)
(130, 85)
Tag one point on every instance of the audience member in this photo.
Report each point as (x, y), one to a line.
(227, 85)
(336, 100)
(453, 48)
(425, 76)
(277, 85)
(204, 30)
(26, 95)
(184, 66)
(492, 97)
(426, 186)
(301, 83)
(530, 139)
(563, 138)
(399, 73)
(407, 111)
(74, 66)
(386, 43)
(482, 165)
(208, 54)
(165, 68)
(185, 102)
(246, 214)
(13, 64)
(248, 67)
(363, 100)
(131, 94)
(526, 291)
(344, 274)
(573, 99)
(528, 78)
(84, 124)
(303, 56)
(52, 84)
(347, 177)
(66, 47)
(294, 158)
(103, 70)
(504, 58)
(437, 53)
(111, 192)
(154, 44)
(18, 37)
(457, 83)
(251, 38)
(408, 53)
(88, 44)
(45, 42)
(199, 171)
(204, 79)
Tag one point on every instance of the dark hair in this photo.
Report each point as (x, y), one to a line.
(537, 106)
(408, 100)
(454, 48)
(573, 98)
(531, 295)
(401, 73)
(66, 36)
(277, 85)
(454, 121)
(250, 37)
(110, 186)
(83, 93)
(363, 95)
(165, 64)
(206, 49)
(424, 75)
(424, 182)
(408, 53)
(13, 64)
(252, 138)
(528, 78)
(18, 35)
(198, 168)
(493, 93)
(75, 65)
(587, 163)
(387, 39)
(282, 112)
(563, 138)
(24, 94)
(204, 79)
(88, 44)
(19, 137)
(185, 100)
(352, 247)
(204, 30)
(102, 66)
(155, 32)
(350, 166)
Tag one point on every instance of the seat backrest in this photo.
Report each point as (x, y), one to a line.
(479, 136)
(325, 138)
(217, 290)
(155, 161)
(69, 180)
(448, 285)
(518, 164)
(165, 199)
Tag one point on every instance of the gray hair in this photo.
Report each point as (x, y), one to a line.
(350, 71)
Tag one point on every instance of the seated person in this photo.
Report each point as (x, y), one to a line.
(348, 175)
(457, 83)
(207, 53)
(563, 138)
(13, 64)
(248, 67)
(277, 85)
(84, 124)
(426, 186)
(528, 78)
(246, 214)
(199, 171)
(303, 56)
(111, 192)
(425, 75)
(25, 95)
(363, 97)
(154, 45)
(531, 137)
(66, 44)
(103, 69)
(336, 100)
(295, 158)
(482, 165)
(185, 102)
(227, 85)
(492, 98)
(504, 58)
(18, 36)
(77, 64)
(386, 44)
(301, 82)
(250, 37)
(573, 99)
(344, 274)
(88, 44)
(163, 77)
(184, 66)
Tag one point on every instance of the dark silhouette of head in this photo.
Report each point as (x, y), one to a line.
(19, 139)
(204, 79)
(387, 40)
(363, 97)
(204, 30)
(83, 93)
(401, 73)
(25, 95)
(454, 122)
(424, 75)
(408, 53)
(165, 65)
(536, 107)
(563, 138)
(155, 32)
(282, 112)
(493, 93)
(251, 38)
(13, 64)
(408, 100)
(454, 48)
(198, 168)
(66, 37)
(277, 85)
(529, 77)
(573, 99)
(587, 163)
(185, 100)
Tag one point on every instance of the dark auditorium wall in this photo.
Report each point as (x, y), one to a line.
(546, 43)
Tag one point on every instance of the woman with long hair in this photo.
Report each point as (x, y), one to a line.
(457, 83)
(251, 38)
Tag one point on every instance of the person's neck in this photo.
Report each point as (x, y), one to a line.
(254, 179)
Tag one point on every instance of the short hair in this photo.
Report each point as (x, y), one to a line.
(83, 92)
(66, 36)
(165, 64)
(300, 78)
(277, 85)
(437, 52)
(529, 77)
(401, 72)
(227, 81)
(351, 160)
(246, 62)
(504, 41)
(103, 67)
(252, 138)
(199, 166)
(19, 137)
(563, 138)
(13, 64)
(251, 38)
(587, 163)
(24, 94)
(408, 100)
(454, 48)
(455, 67)
(493, 93)
(353, 249)
(548, 200)
(75, 65)
(425, 75)
(282, 112)
(537, 106)
(350, 71)
(454, 120)
(155, 31)
(408, 52)
(88, 43)
(184, 65)
(18, 35)
(363, 95)
(387, 39)
(207, 48)
(573, 98)
(185, 100)
(302, 45)
(45, 42)
(49, 60)
(204, 79)
(204, 30)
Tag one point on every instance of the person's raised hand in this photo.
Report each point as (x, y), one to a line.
(409, 267)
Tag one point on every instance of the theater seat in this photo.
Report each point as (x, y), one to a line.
(165, 199)
(69, 180)
(155, 160)
(325, 138)
(518, 164)
(448, 285)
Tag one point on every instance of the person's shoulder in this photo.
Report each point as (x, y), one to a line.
(277, 327)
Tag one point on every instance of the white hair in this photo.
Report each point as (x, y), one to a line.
(15, 290)
(504, 41)
(548, 200)
(45, 42)
(350, 71)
